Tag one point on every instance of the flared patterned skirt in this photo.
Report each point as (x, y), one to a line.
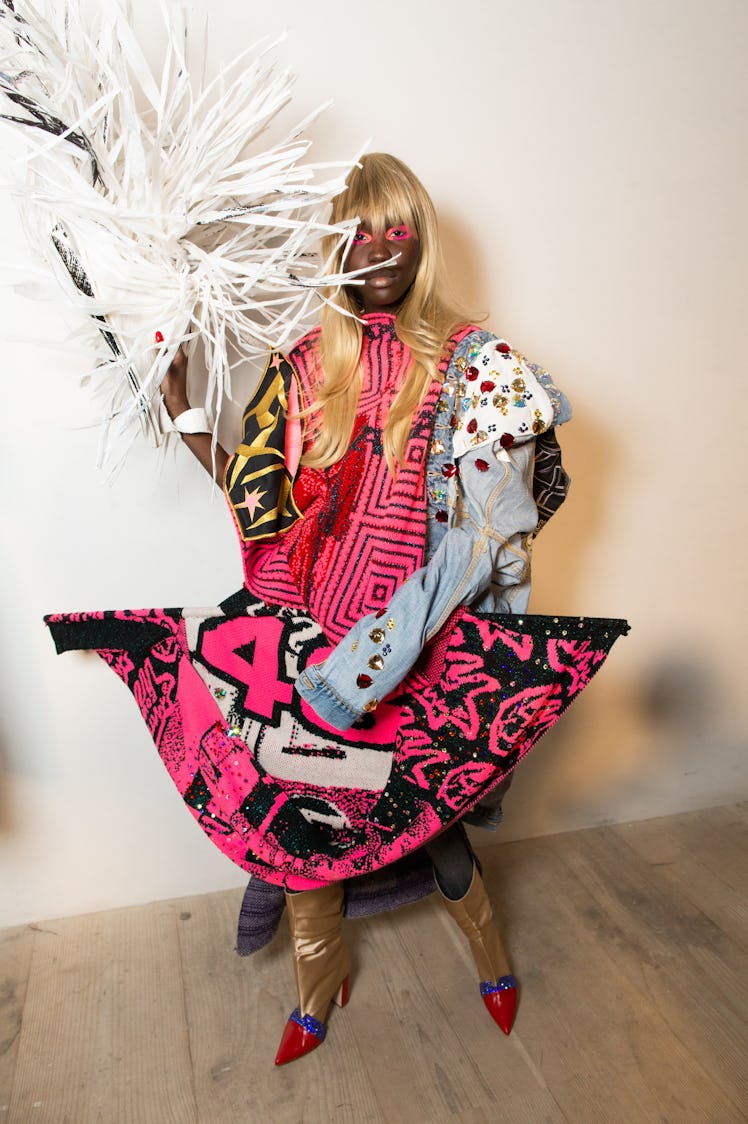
(296, 802)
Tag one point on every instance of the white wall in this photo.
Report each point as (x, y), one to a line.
(588, 159)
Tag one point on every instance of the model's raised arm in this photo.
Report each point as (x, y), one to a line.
(177, 405)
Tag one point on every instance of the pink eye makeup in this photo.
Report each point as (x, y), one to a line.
(398, 233)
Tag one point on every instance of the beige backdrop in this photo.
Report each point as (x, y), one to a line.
(588, 159)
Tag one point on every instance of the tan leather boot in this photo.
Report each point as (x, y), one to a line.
(474, 915)
(321, 966)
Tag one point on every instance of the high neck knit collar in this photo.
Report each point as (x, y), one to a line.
(378, 317)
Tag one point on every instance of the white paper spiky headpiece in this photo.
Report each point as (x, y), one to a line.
(155, 201)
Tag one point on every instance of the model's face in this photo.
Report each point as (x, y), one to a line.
(383, 290)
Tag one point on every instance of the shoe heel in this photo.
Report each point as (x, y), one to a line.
(342, 994)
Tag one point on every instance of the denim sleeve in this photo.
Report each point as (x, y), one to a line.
(495, 514)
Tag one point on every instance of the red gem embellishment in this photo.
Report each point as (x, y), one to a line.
(453, 421)
(364, 681)
(506, 440)
(441, 517)
(472, 425)
(380, 613)
(503, 347)
(472, 374)
(159, 337)
(449, 470)
(481, 465)
(487, 385)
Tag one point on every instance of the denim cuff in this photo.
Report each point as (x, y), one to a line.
(370, 661)
(324, 701)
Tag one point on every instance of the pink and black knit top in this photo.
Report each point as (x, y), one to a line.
(362, 533)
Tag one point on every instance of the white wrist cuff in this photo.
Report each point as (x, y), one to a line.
(189, 421)
(192, 421)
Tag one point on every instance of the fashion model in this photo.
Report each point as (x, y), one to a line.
(378, 678)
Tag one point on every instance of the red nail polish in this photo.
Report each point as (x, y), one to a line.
(159, 337)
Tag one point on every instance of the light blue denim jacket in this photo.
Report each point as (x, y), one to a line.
(481, 515)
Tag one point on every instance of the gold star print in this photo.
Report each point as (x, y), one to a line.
(252, 500)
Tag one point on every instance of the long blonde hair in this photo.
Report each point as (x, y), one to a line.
(382, 191)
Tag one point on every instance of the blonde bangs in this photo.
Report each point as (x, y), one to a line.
(382, 201)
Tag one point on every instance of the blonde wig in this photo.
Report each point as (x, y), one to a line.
(383, 192)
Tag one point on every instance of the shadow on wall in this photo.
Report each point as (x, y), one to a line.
(636, 749)
(685, 705)
(681, 696)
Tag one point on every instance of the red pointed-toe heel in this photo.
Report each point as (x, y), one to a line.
(321, 966)
(304, 1033)
(498, 987)
(500, 999)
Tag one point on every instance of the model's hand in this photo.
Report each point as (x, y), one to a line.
(174, 385)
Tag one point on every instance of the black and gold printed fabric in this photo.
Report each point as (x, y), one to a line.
(259, 476)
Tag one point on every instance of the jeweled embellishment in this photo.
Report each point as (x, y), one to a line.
(506, 441)
(390, 624)
(503, 347)
(437, 446)
(376, 663)
(363, 681)
(481, 465)
(538, 425)
(372, 704)
(461, 363)
(354, 645)
(376, 635)
(518, 384)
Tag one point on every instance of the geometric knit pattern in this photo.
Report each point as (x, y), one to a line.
(362, 533)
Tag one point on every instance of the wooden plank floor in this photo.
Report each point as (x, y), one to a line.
(631, 944)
